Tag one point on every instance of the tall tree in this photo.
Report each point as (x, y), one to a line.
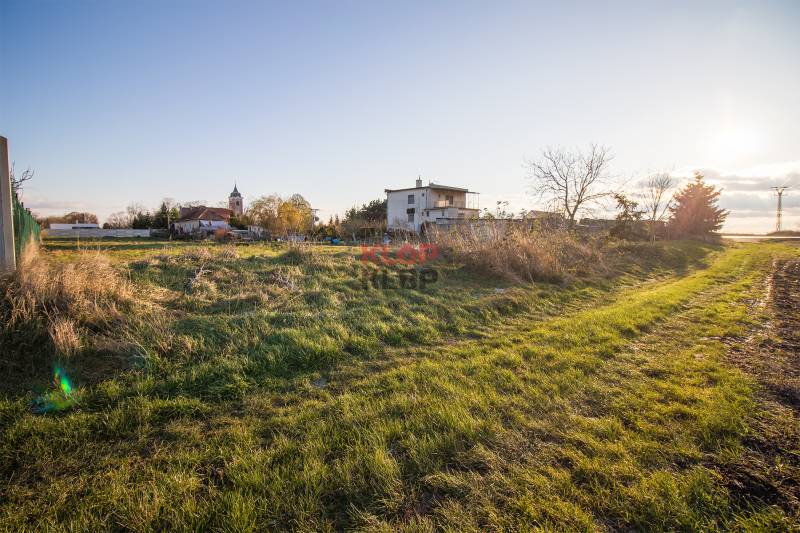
(695, 212)
(73, 217)
(263, 212)
(299, 217)
(140, 216)
(570, 180)
(373, 211)
(279, 216)
(166, 214)
(292, 218)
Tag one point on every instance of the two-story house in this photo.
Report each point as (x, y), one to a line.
(413, 208)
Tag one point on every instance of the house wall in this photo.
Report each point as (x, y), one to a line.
(187, 226)
(396, 206)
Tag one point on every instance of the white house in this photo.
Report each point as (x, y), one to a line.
(414, 208)
(202, 219)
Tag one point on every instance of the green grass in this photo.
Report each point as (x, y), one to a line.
(279, 394)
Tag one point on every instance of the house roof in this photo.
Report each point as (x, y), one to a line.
(431, 186)
(202, 212)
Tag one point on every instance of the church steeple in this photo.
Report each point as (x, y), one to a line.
(235, 201)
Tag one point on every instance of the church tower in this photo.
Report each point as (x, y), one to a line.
(235, 202)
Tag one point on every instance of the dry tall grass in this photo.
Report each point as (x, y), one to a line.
(65, 335)
(521, 254)
(64, 299)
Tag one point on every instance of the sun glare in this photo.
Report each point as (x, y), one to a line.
(731, 145)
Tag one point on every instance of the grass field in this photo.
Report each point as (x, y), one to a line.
(259, 387)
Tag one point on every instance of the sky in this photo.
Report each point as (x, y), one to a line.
(113, 103)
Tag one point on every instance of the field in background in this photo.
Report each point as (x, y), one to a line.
(259, 386)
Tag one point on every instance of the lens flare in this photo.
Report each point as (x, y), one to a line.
(63, 382)
(56, 400)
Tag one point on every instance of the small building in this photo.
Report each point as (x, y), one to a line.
(413, 208)
(202, 219)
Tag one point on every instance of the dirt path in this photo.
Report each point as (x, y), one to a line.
(786, 308)
(769, 468)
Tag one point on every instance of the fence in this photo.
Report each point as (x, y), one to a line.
(26, 230)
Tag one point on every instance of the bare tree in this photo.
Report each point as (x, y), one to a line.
(118, 220)
(657, 199)
(570, 179)
(17, 181)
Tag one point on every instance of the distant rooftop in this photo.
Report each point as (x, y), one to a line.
(202, 212)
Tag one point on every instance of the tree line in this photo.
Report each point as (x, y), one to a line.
(572, 181)
(275, 214)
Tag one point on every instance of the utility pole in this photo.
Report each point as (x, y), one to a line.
(8, 260)
(779, 217)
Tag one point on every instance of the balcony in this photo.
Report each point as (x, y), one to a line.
(460, 200)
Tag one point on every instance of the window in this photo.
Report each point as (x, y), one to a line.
(449, 199)
(411, 218)
(410, 199)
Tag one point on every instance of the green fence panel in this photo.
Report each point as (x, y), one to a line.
(26, 230)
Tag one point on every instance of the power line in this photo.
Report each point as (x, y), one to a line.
(779, 217)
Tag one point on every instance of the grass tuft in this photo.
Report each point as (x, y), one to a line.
(65, 336)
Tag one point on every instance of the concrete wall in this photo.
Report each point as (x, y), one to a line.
(90, 233)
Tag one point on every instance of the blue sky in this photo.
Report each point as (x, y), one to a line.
(120, 102)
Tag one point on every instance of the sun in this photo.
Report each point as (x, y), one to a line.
(734, 144)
